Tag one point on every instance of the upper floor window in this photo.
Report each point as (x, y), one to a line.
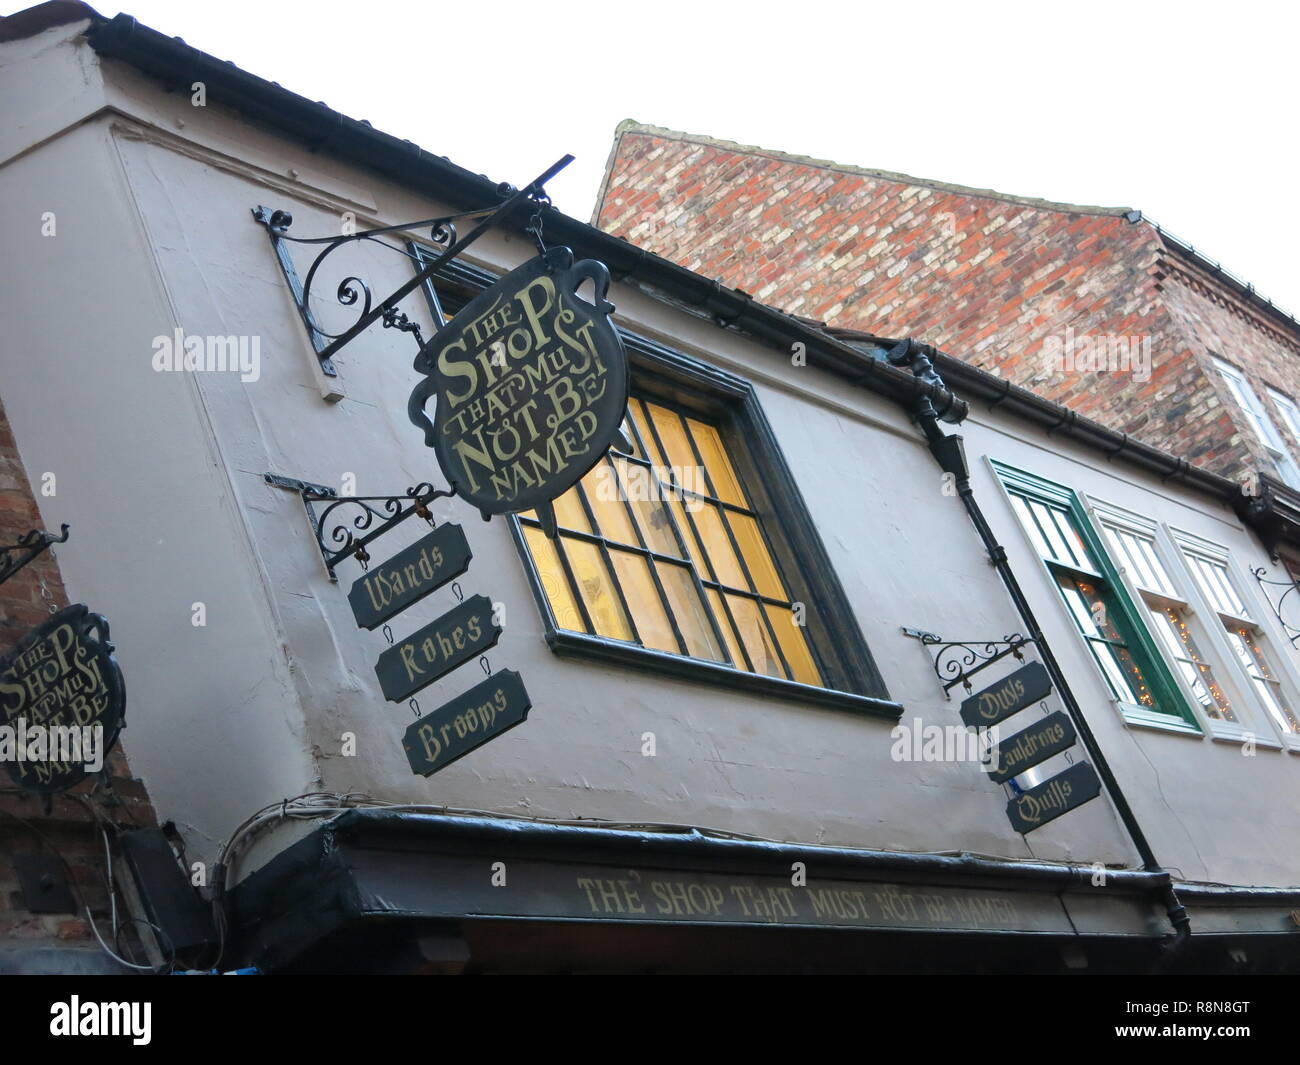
(692, 552)
(1245, 636)
(1115, 631)
(1289, 411)
(1260, 422)
(1171, 617)
(662, 547)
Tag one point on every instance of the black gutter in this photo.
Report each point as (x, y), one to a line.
(949, 453)
(381, 827)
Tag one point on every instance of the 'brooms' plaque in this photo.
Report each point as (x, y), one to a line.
(468, 721)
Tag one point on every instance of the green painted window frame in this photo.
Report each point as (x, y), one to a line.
(1171, 712)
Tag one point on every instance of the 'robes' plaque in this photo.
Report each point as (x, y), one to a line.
(61, 702)
(410, 575)
(1055, 796)
(1052, 735)
(1011, 694)
(462, 633)
(531, 382)
(468, 721)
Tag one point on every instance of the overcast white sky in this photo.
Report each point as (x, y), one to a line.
(1187, 111)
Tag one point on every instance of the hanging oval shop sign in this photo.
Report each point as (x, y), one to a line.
(61, 702)
(531, 382)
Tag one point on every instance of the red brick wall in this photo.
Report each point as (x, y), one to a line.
(992, 279)
(71, 828)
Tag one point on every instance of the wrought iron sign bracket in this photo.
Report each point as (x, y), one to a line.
(28, 547)
(348, 536)
(956, 661)
(353, 289)
(1259, 573)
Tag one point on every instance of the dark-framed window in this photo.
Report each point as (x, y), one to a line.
(692, 553)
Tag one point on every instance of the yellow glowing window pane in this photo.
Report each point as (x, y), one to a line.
(758, 641)
(726, 485)
(646, 495)
(604, 496)
(672, 434)
(554, 582)
(642, 421)
(636, 506)
(569, 513)
(652, 623)
(728, 633)
(684, 599)
(717, 546)
(693, 551)
(598, 591)
(793, 643)
(760, 564)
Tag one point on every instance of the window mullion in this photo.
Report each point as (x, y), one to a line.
(603, 548)
(735, 546)
(649, 562)
(708, 562)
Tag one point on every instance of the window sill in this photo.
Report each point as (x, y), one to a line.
(1230, 732)
(1141, 717)
(577, 645)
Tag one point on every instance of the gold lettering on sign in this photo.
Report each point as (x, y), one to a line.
(1052, 799)
(876, 905)
(439, 647)
(992, 703)
(516, 425)
(388, 582)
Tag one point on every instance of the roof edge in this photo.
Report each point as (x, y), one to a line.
(631, 126)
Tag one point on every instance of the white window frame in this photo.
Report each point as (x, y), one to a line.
(1260, 618)
(1252, 721)
(1263, 425)
(1287, 408)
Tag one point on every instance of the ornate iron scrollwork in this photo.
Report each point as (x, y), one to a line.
(348, 535)
(353, 290)
(956, 661)
(1292, 631)
(14, 557)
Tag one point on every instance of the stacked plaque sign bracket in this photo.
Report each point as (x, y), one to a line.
(1030, 807)
(956, 661)
(344, 525)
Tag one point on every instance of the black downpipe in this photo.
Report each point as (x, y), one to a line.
(951, 457)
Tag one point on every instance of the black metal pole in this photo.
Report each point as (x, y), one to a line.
(949, 453)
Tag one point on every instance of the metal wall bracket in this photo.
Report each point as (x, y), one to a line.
(340, 540)
(28, 547)
(1292, 631)
(956, 661)
(353, 290)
